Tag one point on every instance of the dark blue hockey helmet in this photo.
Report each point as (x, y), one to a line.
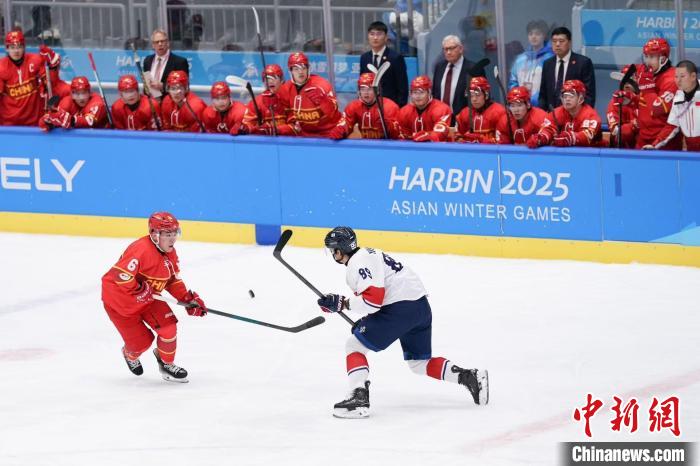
(343, 239)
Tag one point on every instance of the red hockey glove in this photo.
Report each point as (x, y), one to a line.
(316, 95)
(265, 129)
(625, 98)
(337, 133)
(332, 303)
(58, 118)
(472, 138)
(50, 57)
(536, 140)
(144, 293)
(564, 139)
(424, 136)
(196, 306)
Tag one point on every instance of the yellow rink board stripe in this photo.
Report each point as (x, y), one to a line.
(121, 227)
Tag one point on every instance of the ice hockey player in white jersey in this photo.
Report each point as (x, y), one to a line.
(397, 308)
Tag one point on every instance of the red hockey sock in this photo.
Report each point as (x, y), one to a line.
(133, 355)
(167, 343)
(358, 369)
(436, 368)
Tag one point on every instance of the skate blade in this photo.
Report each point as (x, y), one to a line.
(173, 379)
(358, 413)
(483, 378)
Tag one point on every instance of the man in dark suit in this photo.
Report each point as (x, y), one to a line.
(394, 83)
(565, 65)
(453, 74)
(157, 66)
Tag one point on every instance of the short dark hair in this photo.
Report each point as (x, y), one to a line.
(688, 65)
(562, 31)
(538, 24)
(378, 26)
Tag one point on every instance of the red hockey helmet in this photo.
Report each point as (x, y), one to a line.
(14, 38)
(220, 89)
(273, 70)
(573, 86)
(479, 83)
(519, 94)
(657, 46)
(177, 77)
(162, 221)
(127, 82)
(297, 59)
(366, 80)
(421, 82)
(80, 83)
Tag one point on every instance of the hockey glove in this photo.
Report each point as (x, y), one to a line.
(625, 98)
(50, 57)
(424, 136)
(332, 303)
(196, 306)
(265, 129)
(471, 138)
(58, 119)
(144, 293)
(565, 139)
(337, 133)
(536, 140)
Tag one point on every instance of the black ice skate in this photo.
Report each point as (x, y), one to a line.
(134, 366)
(170, 372)
(476, 381)
(355, 407)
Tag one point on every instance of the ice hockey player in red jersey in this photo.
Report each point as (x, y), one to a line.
(424, 118)
(81, 109)
(574, 123)
(364, 112)
(524, 121)
(59, 87)
(223, 115)
(270, 107)
(22, 83)
(310, 102)
(484, 116)
(396, 306)
(133, 111)
(657, 86)
(181, 110)
(625, 101)
(146, 268)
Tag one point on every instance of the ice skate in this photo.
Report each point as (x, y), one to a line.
(134, 366)
(476, 381)
(354, 407)
(170, 372)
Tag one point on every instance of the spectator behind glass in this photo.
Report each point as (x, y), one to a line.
(394, 83)
(527, 67)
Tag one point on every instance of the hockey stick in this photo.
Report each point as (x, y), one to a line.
(240, 82)
(264, 65)
(630, 71)
(146, 87)
(260, 42)
(102, 92)
(505, 103)
(202, 129)
(378, 94)
(306, 325)
(478, 67)
(281, 243)
(49, 87)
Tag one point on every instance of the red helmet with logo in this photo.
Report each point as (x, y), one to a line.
(297, 59)
(573, 86)
(366, 80)
(273, 70)
(178, 78)
(479, 83)
(220, 89)
(162, 221)
(657, 46)
(80, 83)
(421, 82)
(519, 94)
(127, 82)
(14, 38)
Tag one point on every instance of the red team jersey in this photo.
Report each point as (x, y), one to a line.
(367, 119)
(250, 119)
(585, 126)
(521, 130)
(140, 262)
(21, 90)
(311, 119)
(655, 100)
(434, 118)
(181, 118)
(226, 122)
(484, 121)
(92, 115)
(136, 117)
(630, 123)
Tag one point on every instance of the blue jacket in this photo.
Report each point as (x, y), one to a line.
(527, 68)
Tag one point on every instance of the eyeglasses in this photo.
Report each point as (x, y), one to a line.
(450, 49)
(162, 41)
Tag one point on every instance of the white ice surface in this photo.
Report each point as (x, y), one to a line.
(549, 332)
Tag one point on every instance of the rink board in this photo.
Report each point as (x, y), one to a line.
(587, 204)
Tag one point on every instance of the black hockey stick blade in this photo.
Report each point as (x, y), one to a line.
(53, 101)
(281, 243)
(628, 75)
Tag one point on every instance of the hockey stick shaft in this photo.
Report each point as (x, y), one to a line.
(306, 325)
(264, 65)
(49, 87)
(505, 104)
(146, 87)
(281, 243)
(202, 129)
(377, 85)
(255, 103)
(102, 92)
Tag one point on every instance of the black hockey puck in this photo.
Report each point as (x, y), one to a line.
(250, 292)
